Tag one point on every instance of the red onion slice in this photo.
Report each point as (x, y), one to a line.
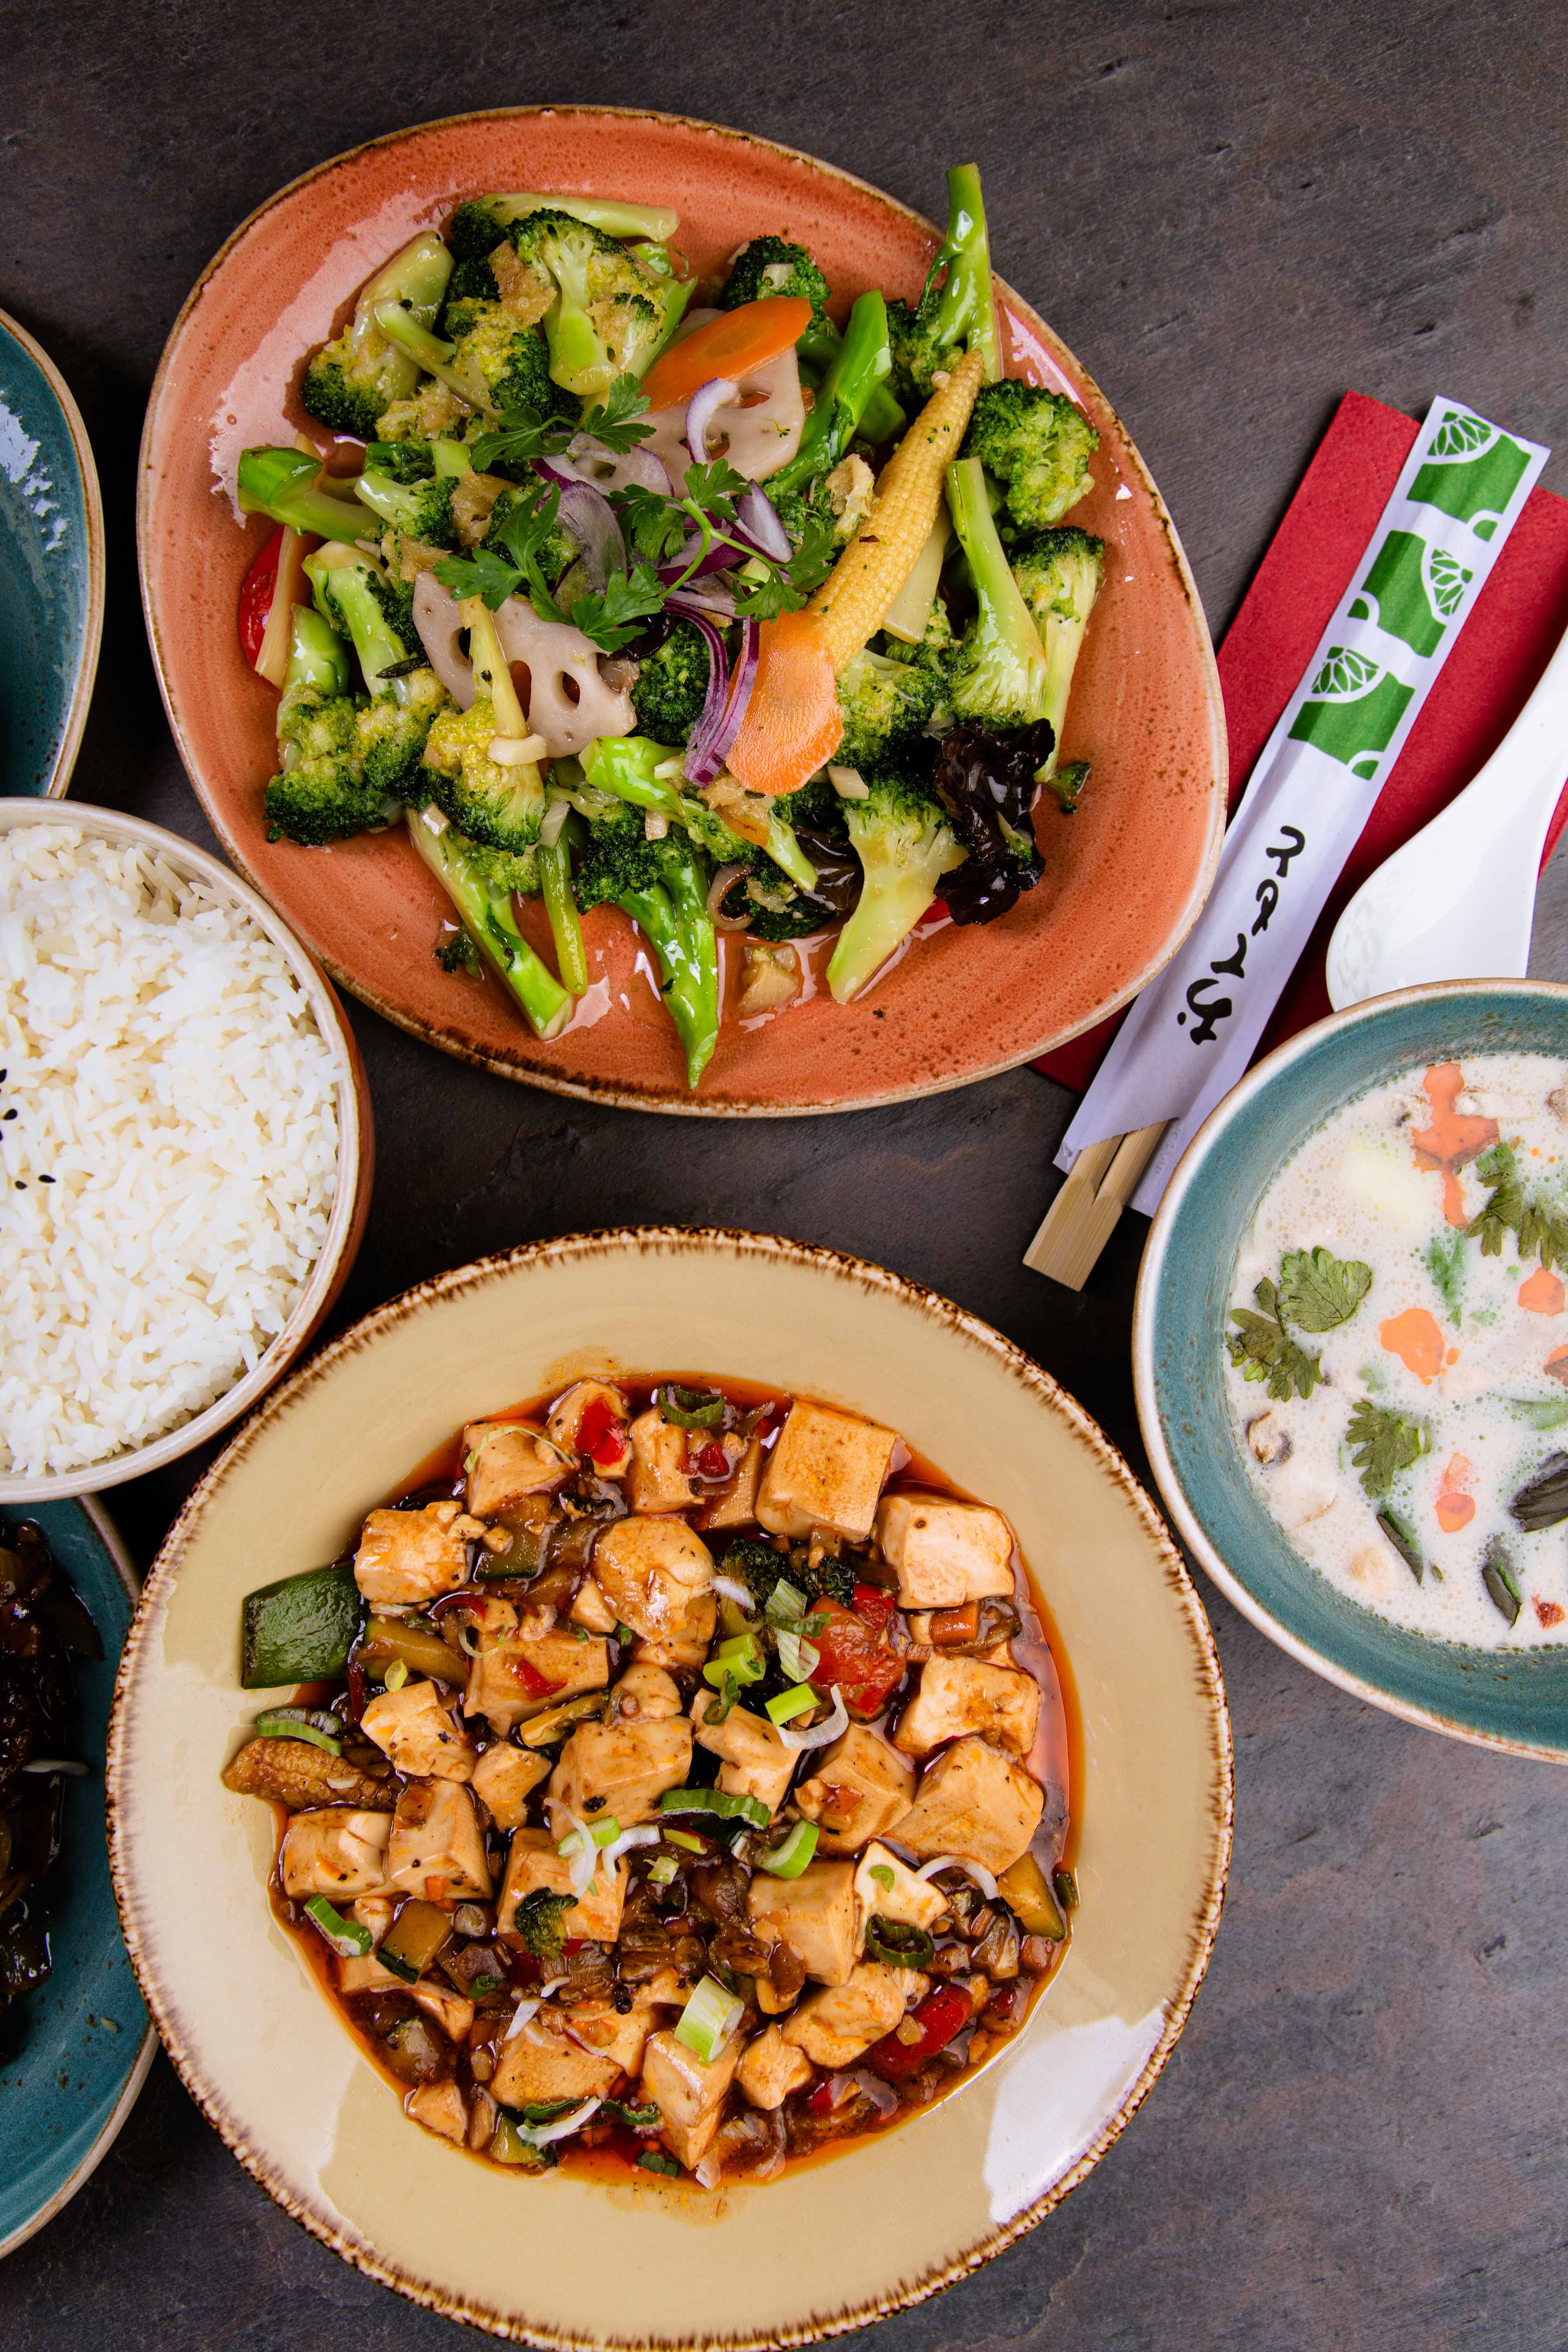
(759, 523)
(716, 730)
(699, 411)
(587, 516)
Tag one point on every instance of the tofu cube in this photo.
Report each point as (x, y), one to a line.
(601, 2027)
(656, 1480)
(958, 1696)
(506, 1460)
(417, 1730)
(613, 1454)
(826, 1471)
(689, 2095)
(834, 2027)
(590, 1608)
(976, 1803)
(813, 1914)
(363, 1972)
(335, 1852)
(626, 1767)
(645, 1695)
(651, 1572)
(756, 1762)
(533, 1863)
(452, 2012)
(737, 1506)
(503, 1780)
(860, 1790)
(436, 1848)
(688, 1646)
(887, 1888)
(517, 1676)
(439, 2108)
(540, 2062)
(769, 2070)
(945, 1553)
(413, 1556)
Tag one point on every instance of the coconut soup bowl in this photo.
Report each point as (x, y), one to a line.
(557, 2259)
(1511, 1699)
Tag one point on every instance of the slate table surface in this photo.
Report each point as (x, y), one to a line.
(1231, 214)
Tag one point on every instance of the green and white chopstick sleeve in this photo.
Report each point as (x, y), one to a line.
(1192, 1033)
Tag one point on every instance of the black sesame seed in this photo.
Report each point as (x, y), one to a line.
(12, 1112)
(20, 1186)
(46, 1180)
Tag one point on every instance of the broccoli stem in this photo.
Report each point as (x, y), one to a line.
(341, 578)
(429, 353)
(673, 917)
(281, 484)
(656, 222)
(617, 776)
(490, 921)
(317, 654)
(966, 307)
(565, 923)
(863, 359)
(885, 914)
(1007, 657)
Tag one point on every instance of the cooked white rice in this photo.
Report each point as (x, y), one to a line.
(163, 1067)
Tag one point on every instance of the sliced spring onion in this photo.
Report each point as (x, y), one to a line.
(790, 1858)
(785, 1603)
(691, 1844)
(653, 2159)
(545, 2134)
(882, 1874)
(717, 1802)
(784, 1705)
(975, 1870)
(739, 1660)
(300, 1723)
(644, 1834)
(835, 1726)
(346, 1937)
(898, 1943)
(730, 1587)
(798, 1659)
(396, 1675)
(604, 1831)
(664, 1868)
(708, 2019)
(690, 1407)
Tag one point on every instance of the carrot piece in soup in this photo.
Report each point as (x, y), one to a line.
(793, 723)
(1541, 1292)
(1414, 1339)
(1454, 1137)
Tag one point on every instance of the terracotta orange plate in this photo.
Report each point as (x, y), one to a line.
(1125, 876)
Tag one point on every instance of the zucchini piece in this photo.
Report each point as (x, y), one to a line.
(301, 1629)
(413, 1938)
(420, 1648)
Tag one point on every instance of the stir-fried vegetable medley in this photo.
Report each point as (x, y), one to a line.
(679, 1784)
(702, 601)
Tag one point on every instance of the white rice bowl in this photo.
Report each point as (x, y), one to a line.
(169, 1143)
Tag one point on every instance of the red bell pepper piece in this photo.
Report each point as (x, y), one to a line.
(256, 598)
(943, 2014)
(600, 1434)
(852, 1650)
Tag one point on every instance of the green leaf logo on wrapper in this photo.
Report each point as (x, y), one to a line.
(1472, 472)
(1354, 705)
(1412, 591)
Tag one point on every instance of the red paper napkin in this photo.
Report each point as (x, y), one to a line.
(1500, 652)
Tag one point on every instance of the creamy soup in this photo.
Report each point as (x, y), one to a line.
(1398, 1350)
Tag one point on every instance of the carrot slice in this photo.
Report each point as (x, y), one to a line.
(729, 346)
(793, 722)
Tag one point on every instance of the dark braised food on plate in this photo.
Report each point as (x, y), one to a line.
(43, 1626)
(675, 1779)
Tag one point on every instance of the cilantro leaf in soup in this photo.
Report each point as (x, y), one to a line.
(1446, 1264)
(1262, 1349)
(1502, 1210)
(1319, 1291)
(1383, 1444)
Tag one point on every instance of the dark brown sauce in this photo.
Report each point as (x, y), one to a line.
(1055, 1760)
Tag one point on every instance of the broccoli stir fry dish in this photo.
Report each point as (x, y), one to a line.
(43, 1626)
(674, 1781)
(735, 608)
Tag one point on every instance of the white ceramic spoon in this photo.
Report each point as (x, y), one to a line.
(1456, 901)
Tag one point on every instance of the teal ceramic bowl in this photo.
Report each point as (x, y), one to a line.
(1516, 1700)
(87, 2042)
(52, 569)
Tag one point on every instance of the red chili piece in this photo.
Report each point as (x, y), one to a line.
(256, 598)
(711, 1461)
(940, 2016)
(600, 1434)
(536, 1684)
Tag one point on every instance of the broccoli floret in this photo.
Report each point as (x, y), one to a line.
(413, 460)
(351, 380)
(960, 311)
(511, 362)
(328, 739)
(420, 510)
(1059, 575)
(432, 408)
(671, 686)
(537, 1920)
(482, 883)
(394, 728)
(557, 551)
(936, 647)
(471, 285)
(663, 887)
(770, 265)
(498, 807)
(998, 675)
(608, 313)
(834, 1578)
(886, 705)
(756, 1565)
(905, 845)
(1038, 447)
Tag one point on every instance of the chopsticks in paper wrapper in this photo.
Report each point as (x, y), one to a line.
(1192, 1033)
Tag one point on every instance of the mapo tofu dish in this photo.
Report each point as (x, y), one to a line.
(675, 1779)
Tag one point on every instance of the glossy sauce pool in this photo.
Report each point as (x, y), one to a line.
(1055, 1760)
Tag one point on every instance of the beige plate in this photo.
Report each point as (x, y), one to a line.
(560, 2260)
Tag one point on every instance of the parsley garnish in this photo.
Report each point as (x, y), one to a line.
(615, 616)
(1319, 1291)
(523, 434)
(1383, 1444)
(1262, 1349)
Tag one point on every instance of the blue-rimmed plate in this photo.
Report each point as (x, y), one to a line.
(87, 2042)
(52, 569)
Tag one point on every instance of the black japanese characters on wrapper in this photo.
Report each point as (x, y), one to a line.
(1207, 1008)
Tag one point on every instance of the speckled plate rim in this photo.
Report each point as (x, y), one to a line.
(627, 1097)
(356, 1161)
(92, 508)
(1189, 1172)
(1029, 1376)
(109, 1536)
